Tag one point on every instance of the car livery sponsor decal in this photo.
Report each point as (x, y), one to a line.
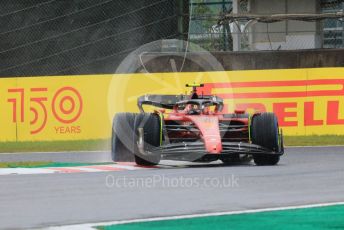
(66, 107)
(288, 110)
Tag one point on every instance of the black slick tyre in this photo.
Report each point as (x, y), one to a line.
(151, 125)
(264, 132)
(122, 140)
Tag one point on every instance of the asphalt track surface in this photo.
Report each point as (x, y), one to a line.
(304, 176)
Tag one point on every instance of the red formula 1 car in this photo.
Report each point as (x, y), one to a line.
(194, 129)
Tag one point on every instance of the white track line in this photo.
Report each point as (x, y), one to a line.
(91, 226)
(128, 167)
(69, 169)
(24, 171)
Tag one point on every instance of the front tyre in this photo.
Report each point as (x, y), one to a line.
(264, 132)
(150, 123)
(122, 140)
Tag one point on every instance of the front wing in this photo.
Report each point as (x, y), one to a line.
(193, 150)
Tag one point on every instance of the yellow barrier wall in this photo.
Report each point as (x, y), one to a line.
(307, 101)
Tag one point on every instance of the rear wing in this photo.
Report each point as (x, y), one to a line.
(161, 101)
(169, 101)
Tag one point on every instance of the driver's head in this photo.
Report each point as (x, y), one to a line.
(194, 109)
(206, 110)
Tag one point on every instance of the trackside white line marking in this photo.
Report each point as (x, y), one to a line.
(27, 171)
(70, 169)
(128, 167)
(93, 225)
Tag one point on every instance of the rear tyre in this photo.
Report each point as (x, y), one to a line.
(264, 132)
(152, 134)
(122, 144)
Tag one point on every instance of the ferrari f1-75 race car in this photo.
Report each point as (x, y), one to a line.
(194, 129)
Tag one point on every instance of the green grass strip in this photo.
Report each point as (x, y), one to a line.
(313, 140)
(324, 218)
(23, 164)
(55, 146)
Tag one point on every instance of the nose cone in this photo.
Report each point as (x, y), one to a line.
(209, 127)
(213, 145)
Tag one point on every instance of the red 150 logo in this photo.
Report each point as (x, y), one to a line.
(66, 106)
